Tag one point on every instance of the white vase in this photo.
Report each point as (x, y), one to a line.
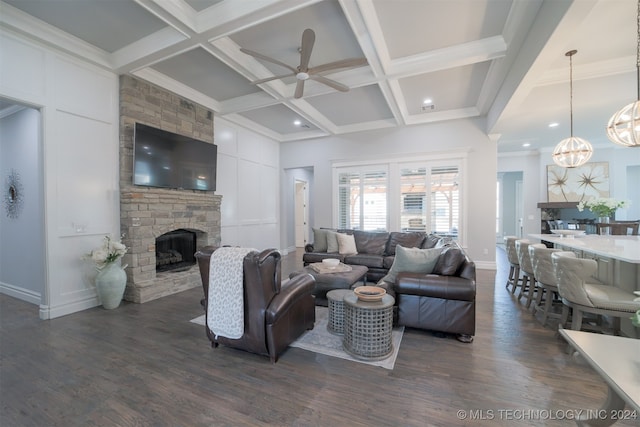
(110, 283)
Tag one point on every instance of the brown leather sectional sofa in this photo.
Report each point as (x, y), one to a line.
(443, 300)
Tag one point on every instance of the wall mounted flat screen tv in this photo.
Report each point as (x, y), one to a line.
(166, 159)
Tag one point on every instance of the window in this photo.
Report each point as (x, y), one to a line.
(445, 201)
(413, 215)
(362, 200)
(425, 196)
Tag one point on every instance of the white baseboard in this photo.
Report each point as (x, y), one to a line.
(51, 312)
(21, 293)
(486, 265)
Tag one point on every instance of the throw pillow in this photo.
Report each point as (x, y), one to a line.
(412, 260)
(332, 242)
(346, 244)
(319, 240)
(449, 261)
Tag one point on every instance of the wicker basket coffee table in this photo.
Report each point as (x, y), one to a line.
(368, 327)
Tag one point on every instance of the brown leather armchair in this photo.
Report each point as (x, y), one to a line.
(275, 314)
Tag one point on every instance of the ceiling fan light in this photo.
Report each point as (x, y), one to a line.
(624, 126)
(572, 152)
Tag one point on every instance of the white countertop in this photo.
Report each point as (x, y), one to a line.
(616, 359)
(623, 248)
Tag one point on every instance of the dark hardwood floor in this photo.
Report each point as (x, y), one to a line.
(147, 365)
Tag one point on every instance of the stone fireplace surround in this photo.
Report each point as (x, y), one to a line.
(146, 212)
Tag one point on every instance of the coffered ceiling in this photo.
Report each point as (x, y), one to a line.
(501, 60)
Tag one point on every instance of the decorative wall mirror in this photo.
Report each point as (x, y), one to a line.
(13, 197)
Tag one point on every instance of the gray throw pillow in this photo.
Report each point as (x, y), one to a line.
(412, 260)
(449, 261)
(319, 240)
(332, 242)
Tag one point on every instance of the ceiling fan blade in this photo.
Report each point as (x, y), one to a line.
(299, 89)
(268, 79)
(331, 83)
(266, 58)
(308, 39)
(343, 63)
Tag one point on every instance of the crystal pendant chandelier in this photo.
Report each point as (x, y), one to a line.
(624, 125)
(573, 151)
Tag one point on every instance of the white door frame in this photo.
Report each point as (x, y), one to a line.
(301, 212)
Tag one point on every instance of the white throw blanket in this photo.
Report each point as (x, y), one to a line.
(225, 305)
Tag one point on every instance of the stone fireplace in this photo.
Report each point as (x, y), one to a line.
(151, 217)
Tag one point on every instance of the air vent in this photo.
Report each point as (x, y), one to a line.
(428, 107)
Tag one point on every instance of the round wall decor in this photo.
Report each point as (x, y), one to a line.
(13, 196)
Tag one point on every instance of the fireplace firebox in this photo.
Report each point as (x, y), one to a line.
(175, 250)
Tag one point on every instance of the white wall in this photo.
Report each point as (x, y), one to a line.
(249, 182)
(465, 137)
(22, 273)
(79, 105)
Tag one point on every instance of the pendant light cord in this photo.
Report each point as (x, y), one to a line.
(638, 51)
(570, 55)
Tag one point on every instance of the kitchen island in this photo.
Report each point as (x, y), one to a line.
(618, 259)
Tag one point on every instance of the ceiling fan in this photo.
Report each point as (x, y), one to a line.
(302, 72)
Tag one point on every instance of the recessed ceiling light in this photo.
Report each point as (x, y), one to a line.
(526, 144)
(554, 125)
(297, 122)
(427, 101)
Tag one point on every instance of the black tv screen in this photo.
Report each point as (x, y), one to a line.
(166, 159)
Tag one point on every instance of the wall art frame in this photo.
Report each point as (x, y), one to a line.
(577, 184)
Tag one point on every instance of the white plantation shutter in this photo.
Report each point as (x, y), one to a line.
(445, 200)
(413, 212)
(425, 196)
(362, 200)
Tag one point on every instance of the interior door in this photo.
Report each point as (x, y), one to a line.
(301, 214)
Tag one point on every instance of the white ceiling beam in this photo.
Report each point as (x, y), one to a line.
(593, 70)
(232, 16)
(450, 57)
(142, 52)
(40, 31)
(461, 113)
(178, 88)
(554, 23)
(175, 13)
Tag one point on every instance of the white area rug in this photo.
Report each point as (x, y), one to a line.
(319, 340)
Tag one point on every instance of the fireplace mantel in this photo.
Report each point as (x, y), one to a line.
(557, 205)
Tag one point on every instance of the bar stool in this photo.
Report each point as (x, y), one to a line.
(583, 294)
(528, 287)
(545, 277)
(514, 265)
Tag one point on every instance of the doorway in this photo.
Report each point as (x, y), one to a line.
(22, 222)
(510, 209)
(301, 213)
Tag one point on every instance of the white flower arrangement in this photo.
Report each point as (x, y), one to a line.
(602, 206)
(109, 252)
